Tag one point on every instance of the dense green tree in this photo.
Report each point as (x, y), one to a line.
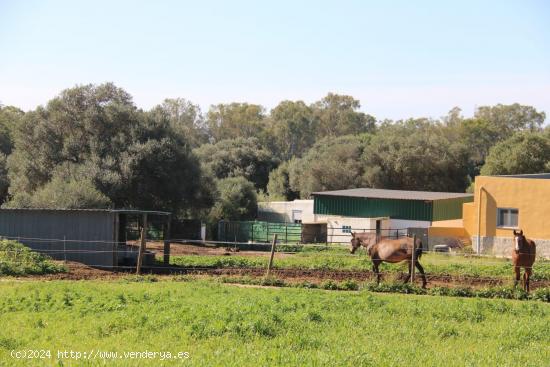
(331, 164)
(81, 123)
(238, 157)
(292, 129)
(521, 153)
(508, 119)
(415, 155)
(490, 125)
(230, 121)
(64, 194)
(132, 158)
(235, 200)
(184, 118)
(278, 188)
(4, 181)
(159, 174)
(339, 115)
(9, 119)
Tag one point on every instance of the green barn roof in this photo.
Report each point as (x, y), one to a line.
(397, 204)
(395, 194)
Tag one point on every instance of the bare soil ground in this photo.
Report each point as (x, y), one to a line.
(190, 249)
(79, 271)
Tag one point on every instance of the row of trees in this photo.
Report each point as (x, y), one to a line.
(92, 147)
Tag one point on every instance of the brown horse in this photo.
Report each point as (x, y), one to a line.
(391, 251)
(523, 256)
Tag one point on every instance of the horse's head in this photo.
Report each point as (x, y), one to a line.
(355, 243)
(519, 239)
(362, 239)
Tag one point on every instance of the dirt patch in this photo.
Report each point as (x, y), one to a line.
(191, 249)
(78, 271)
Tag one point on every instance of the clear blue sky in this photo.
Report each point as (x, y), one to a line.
(399, 58)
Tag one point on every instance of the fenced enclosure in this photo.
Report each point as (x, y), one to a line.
(298, 233)
(255, 231)
(96, 237)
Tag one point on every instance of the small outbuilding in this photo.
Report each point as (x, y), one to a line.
(506, 203)
(95, 237)
(388, 212)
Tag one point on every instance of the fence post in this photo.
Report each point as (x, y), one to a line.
(271, 255)
(236, 233)
(64, 249)
(142, 245)
(166, 239)
(413, 258)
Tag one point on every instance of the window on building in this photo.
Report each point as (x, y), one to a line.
(297, 216)
(346, 229)
(507, 217)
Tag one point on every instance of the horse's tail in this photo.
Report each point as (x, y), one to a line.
(418, 250)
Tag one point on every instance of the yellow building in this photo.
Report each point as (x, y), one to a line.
(504, 203)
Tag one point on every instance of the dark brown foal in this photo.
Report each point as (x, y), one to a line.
(523, 256)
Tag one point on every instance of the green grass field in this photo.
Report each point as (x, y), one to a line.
(224, 325)
(341, 259)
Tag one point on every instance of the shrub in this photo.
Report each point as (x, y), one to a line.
(273, 282)
(502, 292)
(147, 278)
(541, 294)
(307, 284)
(461, 292)
(17, 259)
(349, 285)
(395, 288)
(330, 284)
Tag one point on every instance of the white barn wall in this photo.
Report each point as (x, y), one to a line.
(283, 211)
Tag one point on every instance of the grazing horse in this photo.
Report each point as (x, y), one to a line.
(389, 250)
(523, 256)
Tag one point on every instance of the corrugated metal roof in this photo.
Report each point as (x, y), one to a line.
(394, 194)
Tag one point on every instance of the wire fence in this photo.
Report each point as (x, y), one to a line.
(298, 272)
(123, 248)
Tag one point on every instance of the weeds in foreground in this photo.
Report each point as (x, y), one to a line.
(540, 294)
(17, 259)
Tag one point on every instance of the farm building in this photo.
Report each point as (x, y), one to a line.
(96, 237)
(364, 209)
(504, 203)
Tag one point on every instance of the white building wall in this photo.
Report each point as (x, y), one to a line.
(284, 209)
(335, 224)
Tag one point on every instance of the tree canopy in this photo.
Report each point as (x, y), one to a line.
(240, 157)
(91, 147)
(235, 200)
(522, 153)
(331, 164)
(98, 134)
(415, 155)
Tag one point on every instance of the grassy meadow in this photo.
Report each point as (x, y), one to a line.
(226, 325)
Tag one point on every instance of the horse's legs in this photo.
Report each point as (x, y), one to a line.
(517, 271)
(422, 274)
(375, 263)
(527, 276)
(410, 272)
